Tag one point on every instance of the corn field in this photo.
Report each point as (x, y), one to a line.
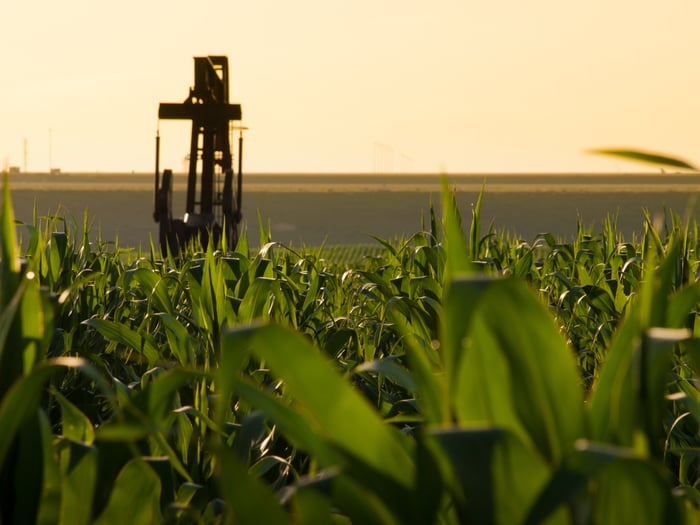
(456, 376)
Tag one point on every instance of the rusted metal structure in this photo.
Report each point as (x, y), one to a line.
(213, 202)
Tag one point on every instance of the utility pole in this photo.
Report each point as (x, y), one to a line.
(24, 166)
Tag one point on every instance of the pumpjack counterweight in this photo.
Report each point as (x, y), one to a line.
(210, 210)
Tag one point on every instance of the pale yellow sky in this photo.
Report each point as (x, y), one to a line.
(447, 85)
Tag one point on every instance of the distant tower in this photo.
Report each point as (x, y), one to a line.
(24, 166)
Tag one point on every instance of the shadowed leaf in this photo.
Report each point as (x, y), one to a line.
(135, 498)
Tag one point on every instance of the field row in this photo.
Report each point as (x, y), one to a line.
(312, 219)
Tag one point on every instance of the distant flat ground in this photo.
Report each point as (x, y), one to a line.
(354, 182)
(348, 208)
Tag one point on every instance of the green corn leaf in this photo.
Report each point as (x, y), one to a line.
(135, 498)
(50, 502)
(186, 492)
(233, 359)
(209, 299)
(340, 428)
(163, 468)
(22, 400)
(462, 296)
(629, 396)
(157, 399)
(20, 403)
(249, 499)
(458, 259)
(11, 365)
(150, 413)
(653, 236)
(340, 416)
(664, 288)
(24, 468)
(311, 506)
(36, 323)
(475, 228)
(76, 425)
(635, 491)
(632, 380)
(389, 368)
(523, 268)
(256, 301)
(157, 289)
(427, 371)
(627, 487)
(291, 423)
(600, 299)
(124, 335)
(79, 479)
(180, 342)
(122, 432)
(537, 387)
(613, 400)
(25, 327)
(265, 233)
(362, 504)
(242, 246)
(495, 477)
(22, 426)
(9, 260)
(645, 157)
(656, 364)
(312, 296)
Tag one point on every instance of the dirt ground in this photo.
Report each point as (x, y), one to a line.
(311, 210)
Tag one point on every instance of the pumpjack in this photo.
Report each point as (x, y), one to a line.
(210, 210)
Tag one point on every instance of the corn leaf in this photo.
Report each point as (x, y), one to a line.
(249, 499)
(646, 157)
(122, 334)
(78, 481)
(341, 416)
(536, 386)
(22, 400)
(457, 251)
(135, 498)
(496, 476)
(50, 502)
(157, 288)
(627, 487)
(76, 425)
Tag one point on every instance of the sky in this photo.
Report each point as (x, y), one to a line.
(364, 86)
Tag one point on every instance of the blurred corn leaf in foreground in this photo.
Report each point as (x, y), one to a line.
(646, 157)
